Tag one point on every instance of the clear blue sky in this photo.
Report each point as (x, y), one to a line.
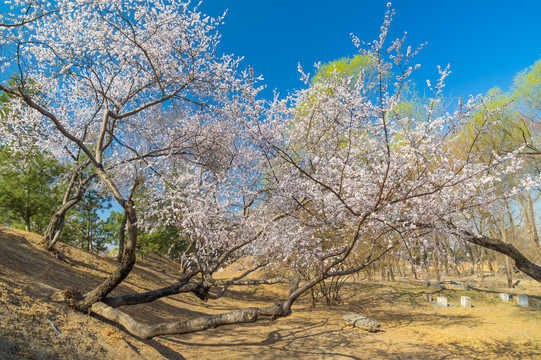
(486, 42)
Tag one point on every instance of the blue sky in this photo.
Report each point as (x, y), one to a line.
(486, 42)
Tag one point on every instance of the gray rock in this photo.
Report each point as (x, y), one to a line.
(361, 322)
(505, 297)
(465, 301)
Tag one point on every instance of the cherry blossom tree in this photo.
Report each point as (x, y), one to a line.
(329, 179)
(102, 75)
(361, 170)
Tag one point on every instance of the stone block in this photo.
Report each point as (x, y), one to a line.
(362, 322)
(427, 297)
(465, 301)
(522, 300)
(505, 297)
(442, 301)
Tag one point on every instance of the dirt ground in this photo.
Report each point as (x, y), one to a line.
(33, 326)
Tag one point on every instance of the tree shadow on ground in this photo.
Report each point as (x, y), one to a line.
(505, 349)
(288, 343)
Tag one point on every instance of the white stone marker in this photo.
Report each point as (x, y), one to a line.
(465, 301)
(441, 300)
(505, 297)
(522, 300)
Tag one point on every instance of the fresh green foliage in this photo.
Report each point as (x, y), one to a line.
(29, 191)
(351, 67)
(84, 226)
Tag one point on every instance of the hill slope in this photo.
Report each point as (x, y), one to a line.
(33, 326)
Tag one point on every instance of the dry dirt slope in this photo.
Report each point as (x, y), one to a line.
(412, 328)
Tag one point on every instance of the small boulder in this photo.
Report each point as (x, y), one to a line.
(361, 322)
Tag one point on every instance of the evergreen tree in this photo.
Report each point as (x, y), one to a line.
(84, 226)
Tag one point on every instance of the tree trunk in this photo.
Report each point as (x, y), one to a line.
(472, 259)
(391, 273)
(436, 265)
(184, 327)
(56, 224)
(521, 262)
(426, 266)
(121, 238)
(508, 270)
(128, 260)
(534, 235)
(398, 268)
(413, 271)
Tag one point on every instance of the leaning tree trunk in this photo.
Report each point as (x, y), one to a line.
(124, 268)
(521, 262)
(56, 224)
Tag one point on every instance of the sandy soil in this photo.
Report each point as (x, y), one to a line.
(412, 328)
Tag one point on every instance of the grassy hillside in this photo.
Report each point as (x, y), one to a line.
(34, 326)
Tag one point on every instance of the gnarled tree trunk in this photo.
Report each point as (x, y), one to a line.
(521, 262)
(56, 224)
(124, 268)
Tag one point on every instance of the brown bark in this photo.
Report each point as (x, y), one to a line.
(149, 296)
(56, 224)
(124, 268)
(121, 238)
(413, 271)
(452, 253)
(508, 271)
(521, 262)
(436, 265)
(391, 273)
(398, 268)
(531, 224)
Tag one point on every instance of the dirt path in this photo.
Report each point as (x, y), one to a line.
(411, 327)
